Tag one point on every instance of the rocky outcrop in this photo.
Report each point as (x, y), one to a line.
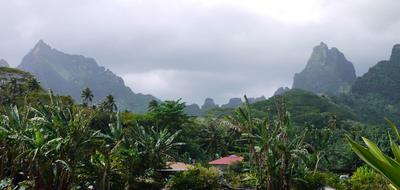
(209, 104)
(327, 71)
(3, 63)
(233, 103)
(193, 110)
(68, 74)
(257, 99)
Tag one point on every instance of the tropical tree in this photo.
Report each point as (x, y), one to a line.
(50, 142)
(87, 96)
(155, 146)
(217, 137)
(273, 155)
(168, 114)
(108, 104)
(33, 84)
(53, 146)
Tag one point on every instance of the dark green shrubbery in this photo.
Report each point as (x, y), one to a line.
(196, 178)
(366, 178)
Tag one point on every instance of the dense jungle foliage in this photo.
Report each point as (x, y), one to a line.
(294, 141)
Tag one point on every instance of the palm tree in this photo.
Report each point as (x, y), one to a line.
(108, 104)
(87, 96)
(153, 105)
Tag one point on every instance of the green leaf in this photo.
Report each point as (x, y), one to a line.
(395, 149)
(385, 165)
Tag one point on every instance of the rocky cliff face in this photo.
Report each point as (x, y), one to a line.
(3, 63)
(383, 79)
(233, 103)
(209, 104)
(327, 71)
(68, 74)
(193, 110)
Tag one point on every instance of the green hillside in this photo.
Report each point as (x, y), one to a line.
(306, 107)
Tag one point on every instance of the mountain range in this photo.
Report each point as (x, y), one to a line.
(209, 104)
(326, 72)
(68, 74)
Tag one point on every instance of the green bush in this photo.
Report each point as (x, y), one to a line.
(366, 178)
(238, 176)
(321, 179)
(196, 178)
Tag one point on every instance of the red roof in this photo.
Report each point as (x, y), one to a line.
(228, 160)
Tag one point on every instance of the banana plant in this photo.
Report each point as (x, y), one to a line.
(374, 157)
(274, 156)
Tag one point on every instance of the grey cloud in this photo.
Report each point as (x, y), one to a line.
(196, 50)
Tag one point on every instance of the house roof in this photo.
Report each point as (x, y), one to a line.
(177, 166)
(228, 160)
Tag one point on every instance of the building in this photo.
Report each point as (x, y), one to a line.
(224, 162)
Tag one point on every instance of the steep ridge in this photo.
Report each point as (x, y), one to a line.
(383, 79)
(68, 74)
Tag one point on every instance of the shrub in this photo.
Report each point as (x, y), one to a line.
(196, 178)
(321, 179)
(366, 178)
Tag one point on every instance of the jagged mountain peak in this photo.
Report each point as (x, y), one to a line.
(327, 71)
(323, 45)
(209, 104)
(40, 47)
(68, 74)
(233, 103)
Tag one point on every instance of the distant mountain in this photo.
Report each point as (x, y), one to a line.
(68, 74)
(233, 103)
(327, 71)
(3, 63)
(281, 91)
(383, 79)
(209, 104)
(193, 110)
(257, 99)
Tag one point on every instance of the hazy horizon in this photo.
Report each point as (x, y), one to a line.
(196, 49)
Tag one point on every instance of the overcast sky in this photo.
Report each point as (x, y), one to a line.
(195, 49)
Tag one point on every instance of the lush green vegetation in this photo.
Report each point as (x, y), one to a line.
(373, 156)
(289, 142)
(195, 178)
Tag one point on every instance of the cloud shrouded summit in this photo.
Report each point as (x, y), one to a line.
(196, 49)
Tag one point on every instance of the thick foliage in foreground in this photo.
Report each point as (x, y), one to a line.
(374, 157)
(54, 147)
